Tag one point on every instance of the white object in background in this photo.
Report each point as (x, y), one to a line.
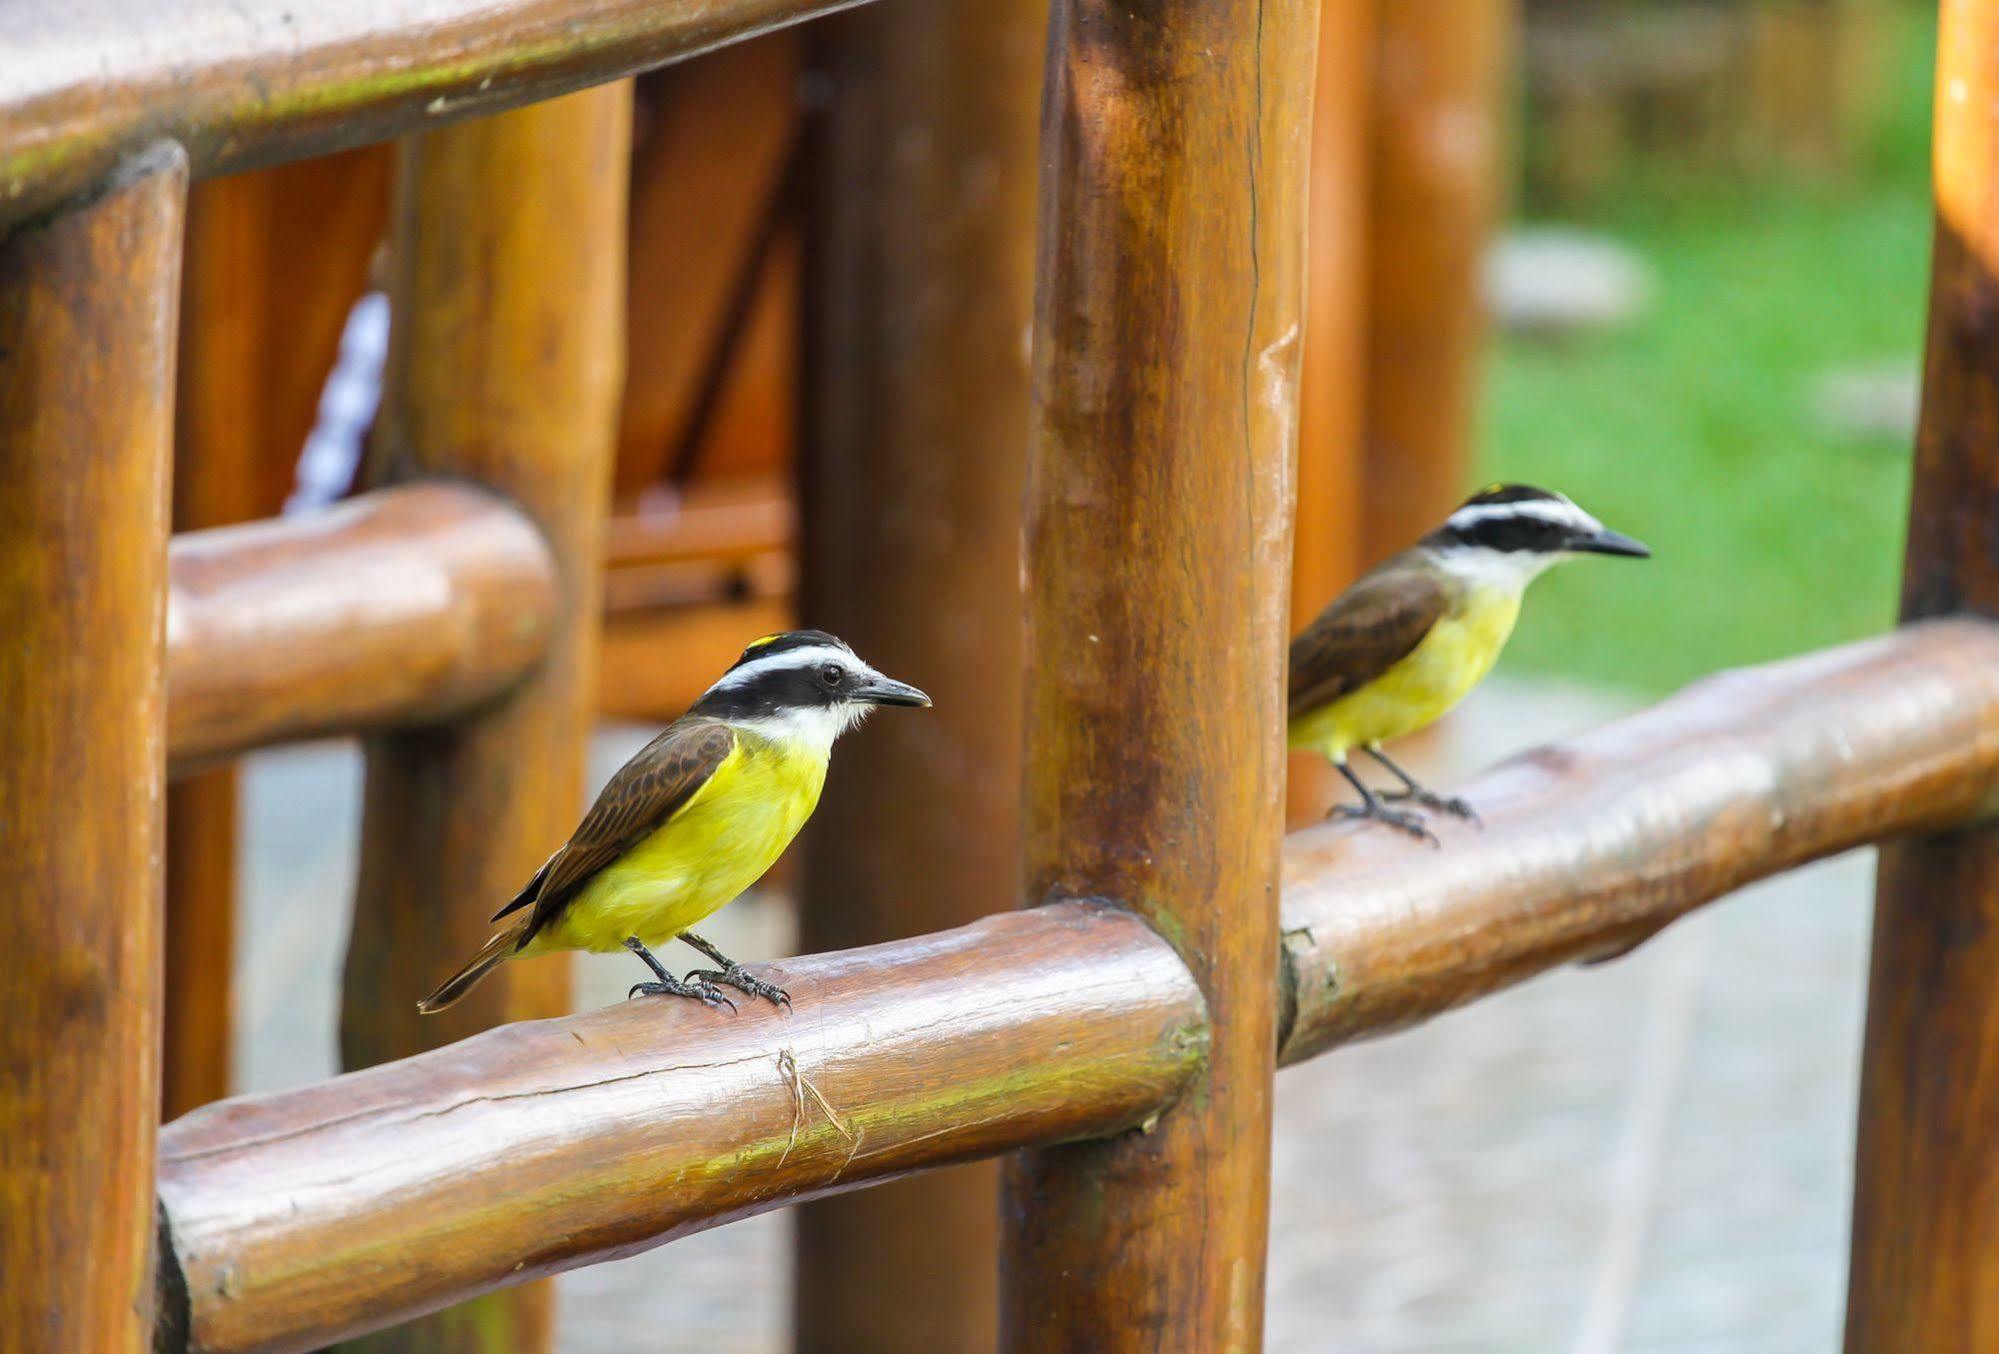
(332, 454)
(1552, 281)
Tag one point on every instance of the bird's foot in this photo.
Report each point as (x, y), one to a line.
(1402, 820)
(740, 978)
(669, 986)
(693, 986)
(1430, 799)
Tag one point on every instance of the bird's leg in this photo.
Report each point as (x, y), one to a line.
(670, 986)
(1371, 807)
(1417, 794)
(732, 974)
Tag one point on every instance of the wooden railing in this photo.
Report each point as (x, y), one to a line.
(1124, 1030)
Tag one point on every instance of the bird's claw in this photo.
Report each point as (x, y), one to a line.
(1451, 804)
(1400, 819)
(743, 980)
(694, 986)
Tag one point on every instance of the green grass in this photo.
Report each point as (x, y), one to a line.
(1694, 428)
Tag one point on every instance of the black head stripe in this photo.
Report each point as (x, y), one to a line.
(767, 693)
(1507, 534)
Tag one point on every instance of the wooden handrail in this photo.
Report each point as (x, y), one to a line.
(1594, 844)
(404, 604)
(242, 83)
(303, 1215)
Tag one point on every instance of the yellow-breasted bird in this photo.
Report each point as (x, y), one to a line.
(695, 818)
(1417, 632)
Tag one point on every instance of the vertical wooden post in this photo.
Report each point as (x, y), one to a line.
(505, 363)
(1925, 1268)
(219, 453)
(919, 286)
(1326, 552)
(1433, 191)
(87, 308)
(1167, 325)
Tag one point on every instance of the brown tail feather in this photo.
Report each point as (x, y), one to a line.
(491, 955)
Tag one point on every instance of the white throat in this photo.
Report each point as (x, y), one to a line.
(1506, 570)
(810, 728)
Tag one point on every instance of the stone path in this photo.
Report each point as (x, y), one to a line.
(1646, 1158)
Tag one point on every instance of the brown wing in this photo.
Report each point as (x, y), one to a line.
(647, 791)
(1368, 629)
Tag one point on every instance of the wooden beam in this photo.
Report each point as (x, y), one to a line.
(243, 83)
(1925, 1263)
(218, 439)
(1439, 68)
(1327, 546)
(708, 181)
(504, 368)
(305, 1214)
(1594, 844)
(87, 308)
(919, 286)
(1158, 539)
(400, 606)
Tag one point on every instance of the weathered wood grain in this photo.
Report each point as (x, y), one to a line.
(305, 1215)
(87, 308)
(505, 364)
(1925, 1264)
(242, 83)
(1594, 844)
(1158, 545)
(919, 287)
(404, 605)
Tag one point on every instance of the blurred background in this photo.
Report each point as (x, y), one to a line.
(1667, 256)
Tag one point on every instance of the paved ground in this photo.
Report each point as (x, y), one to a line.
(1648, 1158)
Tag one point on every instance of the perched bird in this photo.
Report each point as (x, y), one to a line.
(695, 818)
(1418, 631)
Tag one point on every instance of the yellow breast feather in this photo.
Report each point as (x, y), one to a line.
(1421, 687)
(719, 843)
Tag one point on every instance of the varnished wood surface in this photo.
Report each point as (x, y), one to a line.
(1327, 546)
(87, 306)
(1925, 1267)
(1167, 328)
(505, 366)
(1432, 193)
(1593, 844)
(307, 1214)
(920, 281)
(221, 395)
(242, 83)
(1043, 1018)
(404, 605)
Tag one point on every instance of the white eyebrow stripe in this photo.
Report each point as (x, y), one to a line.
(1559, 512)
(804, 657)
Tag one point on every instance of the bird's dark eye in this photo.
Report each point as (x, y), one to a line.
(832, 674)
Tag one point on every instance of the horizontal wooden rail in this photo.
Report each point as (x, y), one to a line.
(301, 1217)
(1594, 844)
(242, 83)
(304, 1215)
(399, 605)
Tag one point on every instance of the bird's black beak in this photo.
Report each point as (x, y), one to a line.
(880, 690)
(1604, 541)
